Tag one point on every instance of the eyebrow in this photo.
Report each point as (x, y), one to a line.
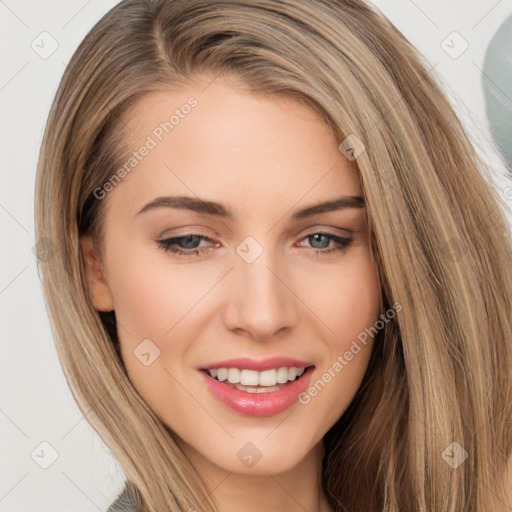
(219, 210)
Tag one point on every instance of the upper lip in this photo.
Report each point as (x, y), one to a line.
(258, 365)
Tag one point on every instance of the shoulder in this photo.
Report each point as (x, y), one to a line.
(123, 503)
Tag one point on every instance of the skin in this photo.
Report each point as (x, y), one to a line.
(265, 158)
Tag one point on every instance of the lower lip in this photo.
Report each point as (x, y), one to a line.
(259, 404)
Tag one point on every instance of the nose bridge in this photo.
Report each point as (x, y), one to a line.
(263, 304)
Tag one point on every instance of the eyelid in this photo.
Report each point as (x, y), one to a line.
(328, 230)
(197, 230)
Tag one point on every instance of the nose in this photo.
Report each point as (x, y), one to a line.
(262, 301)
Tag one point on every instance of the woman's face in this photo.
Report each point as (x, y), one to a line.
(261, 274)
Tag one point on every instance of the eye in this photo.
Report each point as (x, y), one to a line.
(186, 246)
(189, 242)
(324, 238)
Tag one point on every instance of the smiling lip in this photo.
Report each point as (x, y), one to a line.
(258, 404)
(245, 363)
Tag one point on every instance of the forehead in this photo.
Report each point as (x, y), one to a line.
(219, 140)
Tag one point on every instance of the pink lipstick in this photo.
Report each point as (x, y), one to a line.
(261, 403)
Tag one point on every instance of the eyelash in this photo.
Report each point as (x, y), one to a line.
(166, 244)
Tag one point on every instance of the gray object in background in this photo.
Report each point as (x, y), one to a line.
(497, 85)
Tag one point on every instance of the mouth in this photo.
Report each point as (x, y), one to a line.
(251, 381)
(253, 393)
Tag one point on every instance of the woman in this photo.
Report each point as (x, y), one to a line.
(281, 279)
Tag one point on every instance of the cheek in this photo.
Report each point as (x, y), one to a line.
(358, 310)
(151, 296)
(350, 309)
(152, 302)
(359, 302)
(346, 299)
(162, 301)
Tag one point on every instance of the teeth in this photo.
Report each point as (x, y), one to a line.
(249, 378)
(222, 374)
(262, 389)
(282, 375)
(253, 378)
(267, 378)
(233, 375)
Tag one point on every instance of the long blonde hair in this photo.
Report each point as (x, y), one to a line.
(440, 372)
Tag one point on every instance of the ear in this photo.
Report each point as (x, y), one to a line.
(98, 286)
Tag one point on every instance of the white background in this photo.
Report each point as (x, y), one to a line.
(35, 403)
